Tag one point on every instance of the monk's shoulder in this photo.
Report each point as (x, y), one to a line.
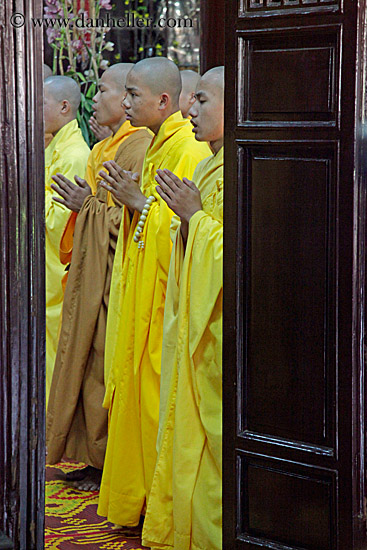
(135, 143)
(140, 137)
(186, 144)
(73, 149)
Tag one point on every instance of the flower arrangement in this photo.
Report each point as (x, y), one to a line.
(78, 50)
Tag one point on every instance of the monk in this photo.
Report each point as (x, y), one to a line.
(67, 153)
(78, 428)
(138, 288)
(185, 506)
(187, 97)
(47, 72)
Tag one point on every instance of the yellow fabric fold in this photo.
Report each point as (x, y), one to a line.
(185, 509)
(134, 331)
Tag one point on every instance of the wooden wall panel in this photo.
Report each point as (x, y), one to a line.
(22, 443)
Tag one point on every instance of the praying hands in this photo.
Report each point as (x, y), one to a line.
(183, 197)
(123, 185)
(73, 196)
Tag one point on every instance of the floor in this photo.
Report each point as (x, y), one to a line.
(72, 521)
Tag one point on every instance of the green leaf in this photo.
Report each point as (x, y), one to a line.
(81, 76)
(85, 130)
(91, 91)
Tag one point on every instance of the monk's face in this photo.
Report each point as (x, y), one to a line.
(107, 103)
(207, 113)
(51, 112)
(141, 104)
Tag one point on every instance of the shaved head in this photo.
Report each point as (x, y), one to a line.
(214, 77)
(189, 80)
(118, 73)
(160, 75)
(64, 88)
(47, 72)
(187, 97)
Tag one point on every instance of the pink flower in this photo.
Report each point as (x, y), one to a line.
(52, 8)
(52, 34)
(106, 4)
(77, 45)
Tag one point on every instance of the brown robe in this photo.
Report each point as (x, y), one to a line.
(76, 422)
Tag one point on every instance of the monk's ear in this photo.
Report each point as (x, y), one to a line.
(65, 107)
(164, 101)
(192, 98)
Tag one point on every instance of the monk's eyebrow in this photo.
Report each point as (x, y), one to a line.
(131, 89)
(200, 94)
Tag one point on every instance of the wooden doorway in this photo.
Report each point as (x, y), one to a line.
(294, 405)
(22, 352)
(294, 278)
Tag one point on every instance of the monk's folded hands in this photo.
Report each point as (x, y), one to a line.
(73, 196)
(183, 197)
(101, 132)
(123, 185)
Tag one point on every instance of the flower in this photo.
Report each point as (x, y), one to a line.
(106, 4)
(52, 35)
(77, 45)
(104, 64)
(109, 46)
(52, 8)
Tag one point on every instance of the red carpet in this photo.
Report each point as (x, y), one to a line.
(72, 521)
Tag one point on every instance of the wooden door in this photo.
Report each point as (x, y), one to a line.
(212, 14)
(22, 313)
(294, 408)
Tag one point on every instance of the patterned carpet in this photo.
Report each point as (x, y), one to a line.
(72, 521)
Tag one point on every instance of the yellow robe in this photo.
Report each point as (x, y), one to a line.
(134, 332)
(68, 154)
(185, 506)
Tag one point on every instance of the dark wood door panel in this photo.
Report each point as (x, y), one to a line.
(287, 505)
(271, 8)
(290, 292)
(274, 67)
